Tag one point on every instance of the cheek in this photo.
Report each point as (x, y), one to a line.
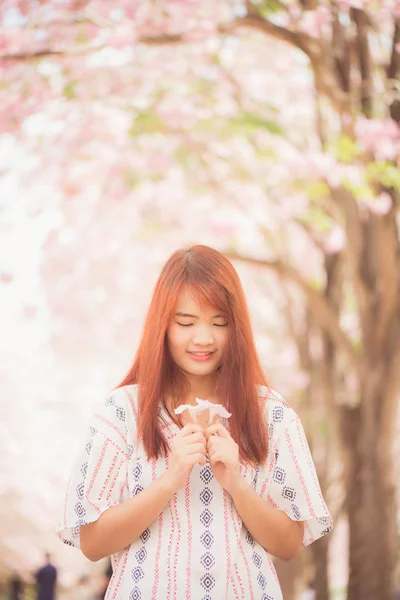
(223, 339)
(177, 338)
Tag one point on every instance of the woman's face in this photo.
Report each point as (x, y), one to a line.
(197, 336)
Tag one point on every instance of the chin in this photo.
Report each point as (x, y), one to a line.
(200, 369)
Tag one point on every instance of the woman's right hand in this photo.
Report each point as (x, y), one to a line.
(188, 448)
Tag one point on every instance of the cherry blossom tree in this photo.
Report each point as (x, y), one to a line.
(268, 129)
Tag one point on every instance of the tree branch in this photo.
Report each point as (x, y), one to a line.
(299, 40)
(251, 21)
(388, 252)
(364, 58)
(320, 307)
(393, 71)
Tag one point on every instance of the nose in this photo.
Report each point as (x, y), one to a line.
(203, 337)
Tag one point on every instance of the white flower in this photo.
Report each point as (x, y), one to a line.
(202, 405)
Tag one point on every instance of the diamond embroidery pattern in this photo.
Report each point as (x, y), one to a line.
(137, 471)
(80, 491)
(80, 510)
(136, 490)
(110, 401)
(207, 560)
(296, 512)
(206, 496)
(279, 475)
(207, 539)
(135, 594)
(207, 582)
(121, 413)
(257, 560)
(261, 580)
(206, 517)
(289, 493)
(206, 474)
(249, 539)
(145, 535)
(141, 555)
(277, 414)
(137, 574)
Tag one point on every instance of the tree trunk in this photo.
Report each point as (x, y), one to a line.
(371, 508)
(320, 554)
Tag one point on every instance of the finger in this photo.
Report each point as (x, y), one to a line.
(194, 438)
(190, 428)
(215, 458)
(217, 429)
(213, 443)
(195, 459)
(197, 449)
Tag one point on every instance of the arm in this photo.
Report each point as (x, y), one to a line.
(120, 525)
(270, 527)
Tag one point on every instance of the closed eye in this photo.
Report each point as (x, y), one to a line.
(190, 324)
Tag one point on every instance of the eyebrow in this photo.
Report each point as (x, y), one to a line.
(180, 314)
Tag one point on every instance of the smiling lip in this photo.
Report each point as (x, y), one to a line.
(201, 356)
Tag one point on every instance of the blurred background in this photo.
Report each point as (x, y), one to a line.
(267, 129)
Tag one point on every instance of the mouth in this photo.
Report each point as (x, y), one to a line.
(201, 356)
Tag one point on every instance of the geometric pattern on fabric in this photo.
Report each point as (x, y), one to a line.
(207, 560)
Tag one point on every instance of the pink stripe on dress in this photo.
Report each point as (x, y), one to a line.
(228, 548)
(159, 537)
(189, 542)
(236, 525)
(171, 537)
(176, 554)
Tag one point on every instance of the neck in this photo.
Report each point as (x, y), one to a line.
(203, 388)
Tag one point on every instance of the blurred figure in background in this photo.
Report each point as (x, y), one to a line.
(46, 579)
(16, 588)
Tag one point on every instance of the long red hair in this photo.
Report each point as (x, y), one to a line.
(213, 281)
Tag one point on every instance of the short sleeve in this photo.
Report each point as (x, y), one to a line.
(290, 482)
(98, 479)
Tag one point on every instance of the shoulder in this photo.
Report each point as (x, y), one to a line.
(115, 414)
(125, 397)
(278, 412)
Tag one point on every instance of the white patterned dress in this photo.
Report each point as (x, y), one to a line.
(198, 548)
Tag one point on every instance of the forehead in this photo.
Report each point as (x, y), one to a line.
(188, 303)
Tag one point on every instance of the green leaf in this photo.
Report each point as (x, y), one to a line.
(81, 36)
(317, 217)
(131, 178)
(247, 123)
(359, 191)
(346, 149)
(266, 8)
(317, 190)
(146, 122)
(69, 91)
(384, 173)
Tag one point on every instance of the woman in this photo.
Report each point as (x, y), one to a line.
(192, 510)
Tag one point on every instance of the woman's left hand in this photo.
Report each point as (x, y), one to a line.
(223, 453)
